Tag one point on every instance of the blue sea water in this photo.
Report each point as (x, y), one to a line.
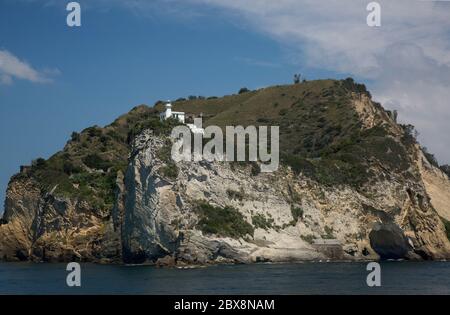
(305, 278)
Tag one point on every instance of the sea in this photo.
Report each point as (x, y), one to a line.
(428, 278)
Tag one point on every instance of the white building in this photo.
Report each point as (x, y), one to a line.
(168, 113)
(181, 116)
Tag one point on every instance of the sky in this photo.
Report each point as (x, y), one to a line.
(55, 79)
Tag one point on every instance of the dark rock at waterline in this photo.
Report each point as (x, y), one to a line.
(389, 241)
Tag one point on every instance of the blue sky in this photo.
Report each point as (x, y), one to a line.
(114, 61)
(55, 79)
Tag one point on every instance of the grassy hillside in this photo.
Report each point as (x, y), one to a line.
(320, 136)
(320, 133)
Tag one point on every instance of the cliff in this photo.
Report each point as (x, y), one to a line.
(353, 184)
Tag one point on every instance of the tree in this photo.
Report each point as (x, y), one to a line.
(411, 134)
(243, 90)
(297, 78)
(95, 161)
(75, 136)
(430, 157)
(39, 163)
(70, 168)
(446, 169)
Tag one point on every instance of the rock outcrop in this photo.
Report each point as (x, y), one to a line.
(394, 223)
(42, 227)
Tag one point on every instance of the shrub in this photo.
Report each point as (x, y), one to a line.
(283, 112)
(447, 227)
(235, 195)
(104, 139)
(261, 222)
(170, 170)
(350, 85)
(96, 189)
(256, 169)
(225, 222)
(152, 123)
(70, 168)
(39, 163)
(308, 238)
(243, 90)
(328, 233)
(446, 169)
(115, 135)
(96, 162)
(75, 137)
(94, 131)
(263, 120)
(297, 213)
(430, 157)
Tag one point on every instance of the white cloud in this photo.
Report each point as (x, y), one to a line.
(12, 68)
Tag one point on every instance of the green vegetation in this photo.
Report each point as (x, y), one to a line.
(95, 161)
(350, 85)
(430, 157)
(225, 222)
(170, 169)
(261, 222)
(297, 213)
(308, 238)
(328, 233)
(320, 132)
(75, 136)
(153, 123)
(236, 195)
(87, 167)
(69, 179)
(447, 227)
(446, 169)
(243, 90)
(255, 169)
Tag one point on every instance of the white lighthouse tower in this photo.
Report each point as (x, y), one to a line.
(168, 113)
(168, 109)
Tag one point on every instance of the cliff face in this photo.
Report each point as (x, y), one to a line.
(42, 227)
(367, 192)
(389, 220)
